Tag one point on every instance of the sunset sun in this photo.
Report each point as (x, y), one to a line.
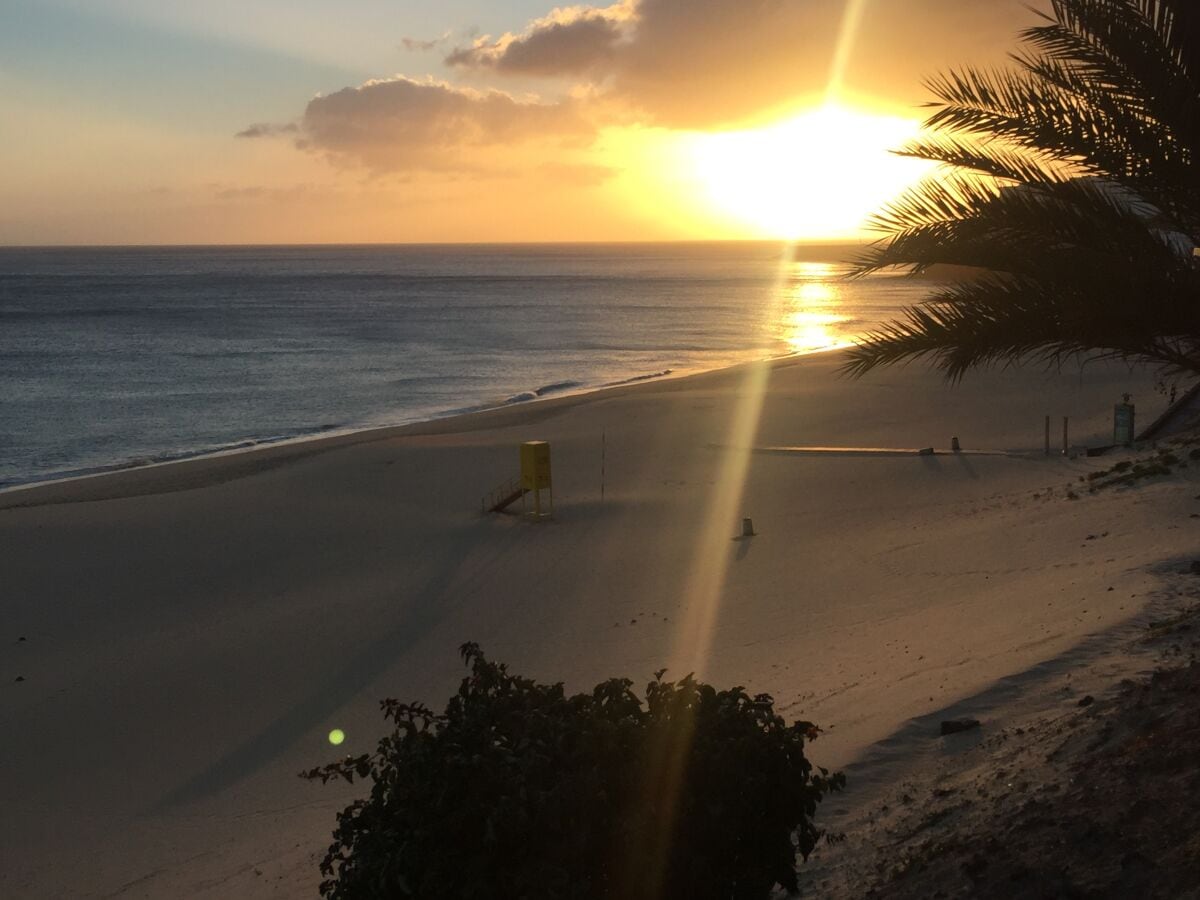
(817, 175)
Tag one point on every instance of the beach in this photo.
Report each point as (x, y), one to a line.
(187, 635)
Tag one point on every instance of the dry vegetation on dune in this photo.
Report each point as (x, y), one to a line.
(1099, 804)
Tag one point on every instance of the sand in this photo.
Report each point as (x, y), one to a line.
(194, 631)
(1080, 783)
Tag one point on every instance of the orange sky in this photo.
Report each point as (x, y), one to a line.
(641, 120)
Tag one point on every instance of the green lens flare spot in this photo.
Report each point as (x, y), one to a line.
(336, 736)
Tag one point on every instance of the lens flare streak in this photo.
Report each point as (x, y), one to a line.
(665, 767)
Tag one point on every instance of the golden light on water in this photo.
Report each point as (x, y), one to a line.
(808, 331)
(813, 309)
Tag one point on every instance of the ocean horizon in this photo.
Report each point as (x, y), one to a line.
(115, 357)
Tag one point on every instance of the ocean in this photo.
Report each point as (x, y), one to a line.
(115, 357)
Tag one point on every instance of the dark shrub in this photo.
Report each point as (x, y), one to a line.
(519, 791)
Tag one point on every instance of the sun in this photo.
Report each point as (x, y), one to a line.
(819, 175)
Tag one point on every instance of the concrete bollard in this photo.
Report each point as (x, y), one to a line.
(747, 527)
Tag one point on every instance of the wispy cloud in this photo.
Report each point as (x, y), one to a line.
(417, 45)
(267, 129)
(578, 174)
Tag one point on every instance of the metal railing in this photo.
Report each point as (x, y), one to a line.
(501, 496)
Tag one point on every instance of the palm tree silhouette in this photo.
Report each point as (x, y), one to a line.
(1070, 184)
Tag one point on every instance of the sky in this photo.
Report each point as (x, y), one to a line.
(377, 121)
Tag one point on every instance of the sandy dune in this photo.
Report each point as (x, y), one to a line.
(193, 631)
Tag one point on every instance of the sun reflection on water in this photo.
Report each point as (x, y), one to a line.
(813, 309)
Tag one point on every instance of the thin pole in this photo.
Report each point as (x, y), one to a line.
(1047, 435)
(603, 455)
(1066, 446)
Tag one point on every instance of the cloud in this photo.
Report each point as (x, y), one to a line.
(578, 174)
(567, 42)
(266, 129)
(681, 64)
(263, 192)
(708, 63)
(416, 45)
(401, 124)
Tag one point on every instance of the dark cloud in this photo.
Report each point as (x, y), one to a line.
(401, 124)
(707, 63)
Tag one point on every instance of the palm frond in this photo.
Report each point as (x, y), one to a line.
(1071, 184)
(997, 159)
(1013, 229)
(998, 320)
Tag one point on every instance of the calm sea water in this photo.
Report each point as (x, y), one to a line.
(116, 356)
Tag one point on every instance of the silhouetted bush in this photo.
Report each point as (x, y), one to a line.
(519, 791)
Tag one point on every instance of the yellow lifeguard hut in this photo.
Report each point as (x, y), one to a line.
(535, 474)
(535, 477)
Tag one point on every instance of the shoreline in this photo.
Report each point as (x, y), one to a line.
(305, 444)
(299, 365)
